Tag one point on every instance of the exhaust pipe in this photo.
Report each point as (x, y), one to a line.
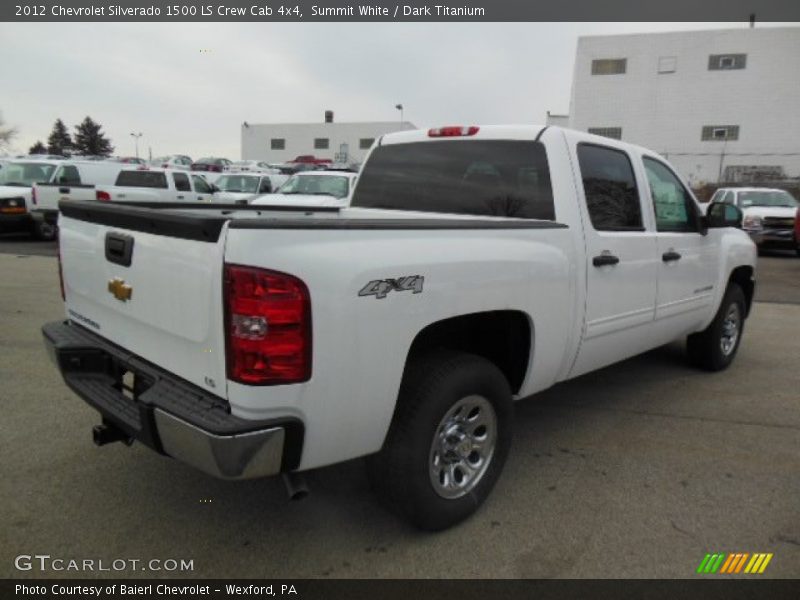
(108, 434)
(296, 486)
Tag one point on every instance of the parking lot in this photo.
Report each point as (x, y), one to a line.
(637, 470)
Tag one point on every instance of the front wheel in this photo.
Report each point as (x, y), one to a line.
(448, 441)
(714, 348)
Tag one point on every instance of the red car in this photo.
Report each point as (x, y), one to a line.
(797, 232)
(215, 165)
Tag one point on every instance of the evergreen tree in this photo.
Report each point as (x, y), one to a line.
(89, 139)
(59, 141)
(38, 148)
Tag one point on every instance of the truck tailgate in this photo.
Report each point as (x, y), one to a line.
(155, 293)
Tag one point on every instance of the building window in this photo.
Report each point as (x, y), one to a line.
(667, 64)
(719, 133)
(365, 143)
(609, 66)
(615, 133)
(610, 188)
(277, 144)
(726, 62)
(320, 143)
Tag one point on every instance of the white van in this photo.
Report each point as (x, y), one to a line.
(72, 180)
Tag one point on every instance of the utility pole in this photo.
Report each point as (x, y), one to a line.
(136, 137)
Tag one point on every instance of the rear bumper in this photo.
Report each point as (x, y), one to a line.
(15, 222)
(170, 415)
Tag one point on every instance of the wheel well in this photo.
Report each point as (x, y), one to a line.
(743, 277)
(502, 337)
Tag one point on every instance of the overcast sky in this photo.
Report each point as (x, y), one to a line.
(188, 87)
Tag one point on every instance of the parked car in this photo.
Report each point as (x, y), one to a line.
(16, 180)
(769, 214)
(797, 232)
(128, 160)
(249, 166)
(476, 265)
(172, 161)
(241, 188)
(211, 164)
(156, 185)
(311, 160)
(71, 180)
(313, 188)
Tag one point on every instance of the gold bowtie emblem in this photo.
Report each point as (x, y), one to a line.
(119, 289)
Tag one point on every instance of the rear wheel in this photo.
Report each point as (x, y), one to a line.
(715, 348)
(448, 441)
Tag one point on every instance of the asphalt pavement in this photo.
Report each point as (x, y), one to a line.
(637, 470)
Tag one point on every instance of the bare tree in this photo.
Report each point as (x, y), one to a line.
(6, 133)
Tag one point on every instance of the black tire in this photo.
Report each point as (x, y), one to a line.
(433, 386)
(706, 349)
(44, 231)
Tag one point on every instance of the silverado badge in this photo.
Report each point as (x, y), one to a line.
(119, 289)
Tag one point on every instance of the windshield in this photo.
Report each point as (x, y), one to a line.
(237, 184)
(326, 185)
(771, 198)
(26, 174)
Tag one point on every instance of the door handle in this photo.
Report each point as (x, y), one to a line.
(670, 256)
(604, 259)
(180, 197)
(63, 190)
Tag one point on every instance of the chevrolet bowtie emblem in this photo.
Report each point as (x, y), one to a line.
(119, 289)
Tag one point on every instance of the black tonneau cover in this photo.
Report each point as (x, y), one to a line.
(187, 221)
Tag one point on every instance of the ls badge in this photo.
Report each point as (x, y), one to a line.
(380, 287)
(119, 289)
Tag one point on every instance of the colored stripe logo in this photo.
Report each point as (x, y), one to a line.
(734, 563)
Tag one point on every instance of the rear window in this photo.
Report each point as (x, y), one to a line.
(147, 179)
(500, 178)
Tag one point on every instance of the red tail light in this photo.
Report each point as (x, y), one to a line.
(267, 326)
(102, 196)
(61, 273)
(33, 195)
(453, 131)
(215, 168)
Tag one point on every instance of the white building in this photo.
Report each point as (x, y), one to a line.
(718, 104)
(340, 142)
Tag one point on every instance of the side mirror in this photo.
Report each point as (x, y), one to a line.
(214, 188)
(721, 214)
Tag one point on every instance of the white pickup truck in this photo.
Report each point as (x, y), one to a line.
(475, 266)
(156, 185)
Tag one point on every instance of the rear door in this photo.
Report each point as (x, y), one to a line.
(621, 256)
(689, 258)
(183, 188)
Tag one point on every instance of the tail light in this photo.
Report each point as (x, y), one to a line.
(267, 327)
(102, 196)
(453, 131)
(61, 273)
(33, 195)
(215, 168)
(165, 166)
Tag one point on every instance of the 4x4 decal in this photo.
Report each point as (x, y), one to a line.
(380, 287)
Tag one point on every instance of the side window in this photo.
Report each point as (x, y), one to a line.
(674, 206)
(68, 175)
(610, 188)
(181, 182)
(717, 196)
(266, 186)
(729, 198)
(201, 185)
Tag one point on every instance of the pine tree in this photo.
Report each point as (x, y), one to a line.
(89, 139)
(38, 148)
(59, 141)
